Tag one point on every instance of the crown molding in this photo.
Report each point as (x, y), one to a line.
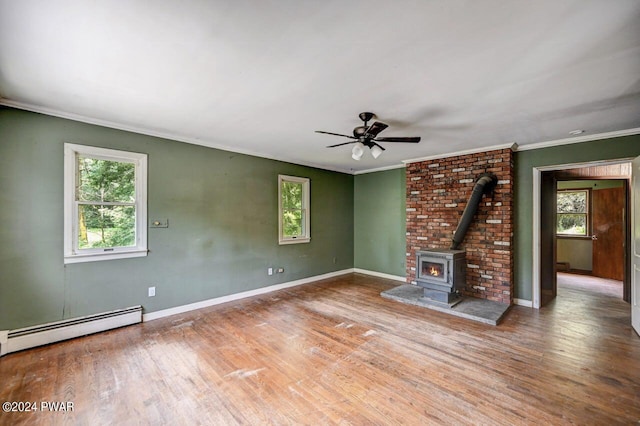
(163, 135)
(512, 146)
(379, 169)
(579, 139)
(533, 146)
(195, 141)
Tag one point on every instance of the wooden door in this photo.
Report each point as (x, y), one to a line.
(608, 232)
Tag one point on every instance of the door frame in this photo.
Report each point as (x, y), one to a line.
(537, 192)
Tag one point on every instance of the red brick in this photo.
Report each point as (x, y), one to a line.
(479, 241)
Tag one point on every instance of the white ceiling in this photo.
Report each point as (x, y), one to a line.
(260, 76)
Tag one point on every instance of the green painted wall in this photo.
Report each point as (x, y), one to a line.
(222, 211)
(380, 205)
(380, 228)
(525, 161)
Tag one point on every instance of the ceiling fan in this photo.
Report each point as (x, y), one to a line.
(366, 135)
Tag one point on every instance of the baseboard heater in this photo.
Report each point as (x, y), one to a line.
(30, 337)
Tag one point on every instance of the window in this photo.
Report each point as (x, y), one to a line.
(105, 211)
(573, 212)
(293, 210)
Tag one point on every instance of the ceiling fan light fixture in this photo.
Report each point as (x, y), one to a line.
(376, 151)
(367, 136)
(357, 151)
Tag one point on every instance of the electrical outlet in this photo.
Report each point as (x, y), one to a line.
(280, 270)
(270, 271)
(152, 291)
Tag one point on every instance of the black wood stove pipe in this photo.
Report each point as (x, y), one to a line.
(484, 185)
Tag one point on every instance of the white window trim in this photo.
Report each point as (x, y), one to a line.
(306, 207)
(71, 253)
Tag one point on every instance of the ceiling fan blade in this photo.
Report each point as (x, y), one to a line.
(414, 139)
(336, 134)
(339, 144)
(374, 129)
(379, 146)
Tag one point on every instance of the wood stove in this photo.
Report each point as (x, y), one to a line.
(442, 274)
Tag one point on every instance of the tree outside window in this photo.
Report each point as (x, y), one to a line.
(292, 212)
(293, 209)
(106, 203)
(573, 212)
(105, 212)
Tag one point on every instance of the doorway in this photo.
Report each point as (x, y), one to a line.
(583, 226)
(590, 234)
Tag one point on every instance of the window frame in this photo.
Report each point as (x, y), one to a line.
(587, 214)
(74, 254)
(306, 209)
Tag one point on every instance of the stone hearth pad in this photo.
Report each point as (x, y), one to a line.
(482, 310)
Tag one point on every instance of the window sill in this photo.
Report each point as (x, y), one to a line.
(95, 257)
(295, 240)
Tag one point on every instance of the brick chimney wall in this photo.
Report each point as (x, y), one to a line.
(438, 191)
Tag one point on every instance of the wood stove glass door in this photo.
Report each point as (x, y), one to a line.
(433, 269)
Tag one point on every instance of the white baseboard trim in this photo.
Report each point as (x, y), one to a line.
(523, 302)
(380, 274)
(237, 296)
(3, 341)
(43, 334)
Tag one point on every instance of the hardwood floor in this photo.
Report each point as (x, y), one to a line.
(568, 283)
(335, 352)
